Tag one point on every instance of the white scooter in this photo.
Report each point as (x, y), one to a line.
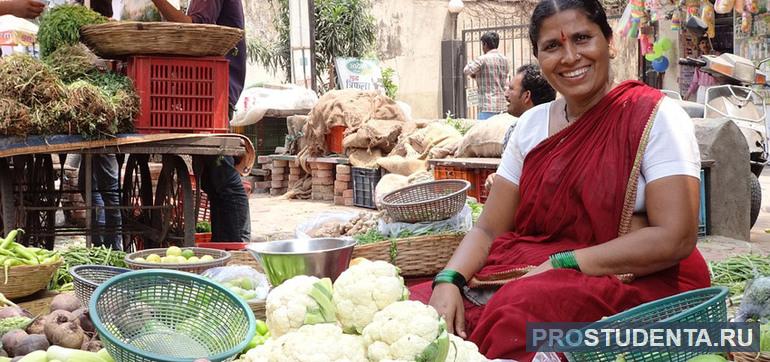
(741, 104)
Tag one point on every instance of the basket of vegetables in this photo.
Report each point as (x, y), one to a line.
(429, 201)
(192, 260)
(166, 315)
(25, 271)
(86, 278)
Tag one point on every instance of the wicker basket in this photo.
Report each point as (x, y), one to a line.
(430, 201)
(751, 357)
(117, 39)
(416, 256)
(221, 258)
(86, 278)
(258, 308)
(25, 280)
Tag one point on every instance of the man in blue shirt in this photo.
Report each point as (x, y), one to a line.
(220, 180)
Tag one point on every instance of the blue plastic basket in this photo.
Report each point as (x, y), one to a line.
(696, 306)
(170, 316)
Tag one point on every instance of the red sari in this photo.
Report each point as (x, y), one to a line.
(578, 189)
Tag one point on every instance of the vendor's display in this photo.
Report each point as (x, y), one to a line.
(323, 258)
(86, 278)
(242, 280)
(432, 201)
(63, 279)
(61, 26)
(127, 38)
(143, 10)
(165, 315)
(485, 139)
(66, 333)
(755, 307)
(25, 270)
(192, 260)
(374, 322)
(415, 256)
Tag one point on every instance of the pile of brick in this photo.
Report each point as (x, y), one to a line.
(260, 175)
(323, 181)
(279, 177)
(296, 173)
(343, 186)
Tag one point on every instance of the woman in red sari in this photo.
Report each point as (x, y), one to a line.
(595, 205)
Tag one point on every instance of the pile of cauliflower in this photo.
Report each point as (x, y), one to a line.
(365, 315)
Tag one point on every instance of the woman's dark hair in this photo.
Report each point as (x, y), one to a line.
(547, 8)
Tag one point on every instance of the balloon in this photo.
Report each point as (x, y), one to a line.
(660, 65)
(651, 57)
(666, 44)
(657, 48)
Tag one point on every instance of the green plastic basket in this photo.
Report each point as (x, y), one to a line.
(170, 316)
(696, 306)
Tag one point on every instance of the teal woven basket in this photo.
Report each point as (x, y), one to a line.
(170, 316)
(696, 306)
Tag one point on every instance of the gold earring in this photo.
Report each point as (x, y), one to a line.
(612, 53)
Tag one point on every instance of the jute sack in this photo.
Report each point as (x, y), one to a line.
(402, 166)
(362, 157)
(485, 139)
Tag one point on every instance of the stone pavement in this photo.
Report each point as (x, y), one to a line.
(274, 218)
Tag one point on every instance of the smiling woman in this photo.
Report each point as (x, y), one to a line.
(595, 206)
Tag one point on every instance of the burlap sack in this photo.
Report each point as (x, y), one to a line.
(375, 133)
(388, 183)
(486, 138)
(362, 157)
(402, 166)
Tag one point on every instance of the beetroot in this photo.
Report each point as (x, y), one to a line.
(31, 343)
(84, 320)
(12, 338)
(65, 333)
(65, 301)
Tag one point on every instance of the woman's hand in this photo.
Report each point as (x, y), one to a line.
(544, 267)
(448, 301)
(28, 9)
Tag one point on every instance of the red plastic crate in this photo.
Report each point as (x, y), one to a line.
(482, 175)
(181, 94)
(457, 173)
(227, 246)
(334, 139)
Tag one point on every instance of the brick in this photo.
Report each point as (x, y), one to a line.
(323, 173)
(325, 166)
(277, 192)
(323, 189)
(343, 177)
(343, 169)
(339, 200)
(328, 197)
(323, 181)
(294, 177)
(278, 178)
(348, 194)
(262, 185)
(316, 196)
(280, 163)
(341, 185)
(258, 190)
(264, 159)
(295, 171)
(348, 201)
(276, 184)
(278, 170)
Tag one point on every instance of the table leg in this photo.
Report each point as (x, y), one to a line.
(89, 197)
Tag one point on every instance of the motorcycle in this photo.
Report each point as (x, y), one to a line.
(737, 101)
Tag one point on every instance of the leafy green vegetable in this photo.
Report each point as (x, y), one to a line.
(476, 209)
(459, 125)
(734, 272)
(203, 227)
(61, 26)
(85, 256)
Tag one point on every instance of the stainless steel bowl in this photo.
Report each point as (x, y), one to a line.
(285, 259)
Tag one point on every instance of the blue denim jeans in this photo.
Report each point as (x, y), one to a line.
(105, 192)
(228, 202)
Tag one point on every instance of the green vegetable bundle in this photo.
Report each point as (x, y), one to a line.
(734, 272)
(61, 26)
(14, 254)
(75, 256)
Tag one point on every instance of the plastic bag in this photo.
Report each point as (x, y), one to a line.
(462, 222)
(307, 229)
(143, 10)
(244, 281)
(255, 102)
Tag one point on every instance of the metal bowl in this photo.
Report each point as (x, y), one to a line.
(285, 259)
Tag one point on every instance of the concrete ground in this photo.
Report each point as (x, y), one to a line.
(275, 218)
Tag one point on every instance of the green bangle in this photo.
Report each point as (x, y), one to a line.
(449, 276)
(564, 260)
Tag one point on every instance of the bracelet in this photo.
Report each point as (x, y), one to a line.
(564, 260)
(449, 276)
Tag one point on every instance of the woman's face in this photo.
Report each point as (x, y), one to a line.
(704, 47)
(573, 54)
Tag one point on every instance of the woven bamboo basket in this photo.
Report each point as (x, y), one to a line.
(751, 357)
(221, 258)
(117, 39)
(415, 256)
(259, 309)
(26, 280)
(241, 257)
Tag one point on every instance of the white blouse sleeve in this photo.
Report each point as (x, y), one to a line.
(672, 148)
(531, 128)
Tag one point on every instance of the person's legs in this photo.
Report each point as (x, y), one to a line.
(97, 213)
(106, 179)
(228, 201)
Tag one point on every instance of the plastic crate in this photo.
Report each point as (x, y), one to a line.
(364, 182)
(481, 181)
(457, 173)
(334, 139)
(266, 134)
(181, 94)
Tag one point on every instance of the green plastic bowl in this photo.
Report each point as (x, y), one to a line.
(170, 316)
(696, 306)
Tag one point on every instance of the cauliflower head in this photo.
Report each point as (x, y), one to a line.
(365, 289)
(755, 304)
(298, 301)
(407, 330)
(311, 343)
(461, 350)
